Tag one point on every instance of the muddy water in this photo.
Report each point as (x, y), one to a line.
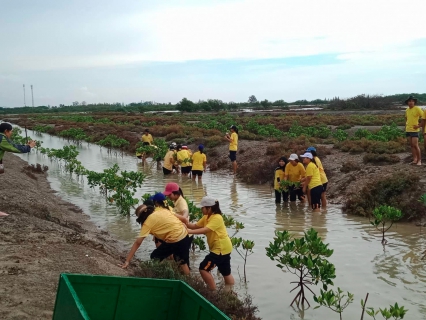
(394, 275)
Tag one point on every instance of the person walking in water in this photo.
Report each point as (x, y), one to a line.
(169, 160)
(220, 245)
(147, 140)
(323, 176)
(294, 172)
(312, 182)
(412, 127)
(279, 175)
(199, 163)
(6, 145)
(233, 146)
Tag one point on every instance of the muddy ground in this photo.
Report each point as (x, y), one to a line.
(42, 237)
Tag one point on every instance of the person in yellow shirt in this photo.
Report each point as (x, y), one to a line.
(199, 162)
(412, 128)
(190, 157)
(324, 179)
(169, 160)
(233, 146)
(312, 182)
(220, 245)
(279, 175)
(294, 172)
(183, 158)
(146, 138)
(166, 227)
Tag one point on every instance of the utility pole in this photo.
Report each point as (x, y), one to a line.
(32, 95)
(25, 104)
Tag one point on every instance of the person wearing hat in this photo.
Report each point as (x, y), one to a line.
(183, 159)
(220, 245)
(324, 179)
(279, 175)
(169, 160)
(165, 227)
(233, 146)
(199, 163)
(174, 193)
(412, 127)
(294, 172)
(312, 182)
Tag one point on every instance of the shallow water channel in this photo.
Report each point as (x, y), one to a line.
(395, 275)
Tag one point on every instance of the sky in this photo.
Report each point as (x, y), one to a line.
(129, 51)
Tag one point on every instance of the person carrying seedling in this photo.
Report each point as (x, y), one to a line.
(233, 146)
(220, 245)
(324, 179)
(312, 182)
(412, 127)
(147, 140)
(6, 145)
(190, 158)
(279, 181)
(164, 226)
(295, 172)
(184, 159)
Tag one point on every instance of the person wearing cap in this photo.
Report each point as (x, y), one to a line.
(174, 193)
(183, 159)
(233, 146)
(279, 175)
(412, 127)
(324, 179)
(220, 245)
(199, 162)
(312, 182)
(294, 172)
(169, 160)
(166, 227)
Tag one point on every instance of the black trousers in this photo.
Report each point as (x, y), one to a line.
(278, 196)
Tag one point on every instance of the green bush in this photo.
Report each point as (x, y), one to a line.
(381, 158)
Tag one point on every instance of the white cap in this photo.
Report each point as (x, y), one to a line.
(207, 202)
(307, 155)
(293, 156)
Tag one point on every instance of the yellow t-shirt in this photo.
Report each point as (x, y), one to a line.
(147, 138)
(295, 173)
(169, 160)
(182, 155)
(313, 171)
(233, 145)
(413, 115)
(321, 170)
(279, 173)
(217, 239)
(163, 224)
(198, 159)
(180, 206)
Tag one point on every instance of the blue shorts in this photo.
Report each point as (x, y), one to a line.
(412, 134)
(233, 156)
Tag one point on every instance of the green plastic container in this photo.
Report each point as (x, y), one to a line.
(84, 297)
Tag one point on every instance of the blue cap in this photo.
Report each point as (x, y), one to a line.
(158, 197)
(311, 149)
(200, 146)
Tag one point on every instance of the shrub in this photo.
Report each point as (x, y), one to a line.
(400, 190)
(349, 166)
(381, 158)
(214, 141)
(371, 146)
(258, 172)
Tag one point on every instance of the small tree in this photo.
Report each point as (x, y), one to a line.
(305, 257)
(336, 301)
(247, 246)
(252, 99)
(384, 218)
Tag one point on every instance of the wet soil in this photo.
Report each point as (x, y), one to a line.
(42, 237)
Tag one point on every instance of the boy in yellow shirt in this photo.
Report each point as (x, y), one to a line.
(412, 128)
(146, 138)
(233, 146)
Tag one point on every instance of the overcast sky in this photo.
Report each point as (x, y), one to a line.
(133, 50)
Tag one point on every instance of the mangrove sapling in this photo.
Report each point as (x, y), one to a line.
(395, 312)
(199, 243)
(305, 257)
(384, 218)
(336, 301)
(247, 246)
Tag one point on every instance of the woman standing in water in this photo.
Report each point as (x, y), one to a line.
(312, 182)
(166, 227)
(279, 175)
(183, 157)
(220, 245)
(294, 172)
(233, 146)
(323, 176)
(169, 161)
(199, 163)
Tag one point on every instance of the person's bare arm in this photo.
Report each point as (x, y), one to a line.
(199, 231)
(182, 218)
(306, 183)
(204, 165)
(132, 252)
(193, 226)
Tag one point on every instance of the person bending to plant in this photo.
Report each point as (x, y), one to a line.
(312, 182)
(169, 160)
(279, 175)
(165, 226)
(295, 172)
(220, 245)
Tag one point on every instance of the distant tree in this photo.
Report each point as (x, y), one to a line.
(216, 104)
(265, 103)
(75, 103)
(186, 105)
(204, 105)
(232, 106)
(83, 103)
(280, 103)
(252, 99)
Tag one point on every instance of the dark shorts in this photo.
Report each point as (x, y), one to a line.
(179, 250)
(139, 157)
(166, 171)
(296, 193)
(222, 262)
(197, 173)
(325, 186)
(145, 143)
(233, 155)
(316, 196)
(412, 134)
(186, 169)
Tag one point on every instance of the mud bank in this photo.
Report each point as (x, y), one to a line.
(42, 237)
